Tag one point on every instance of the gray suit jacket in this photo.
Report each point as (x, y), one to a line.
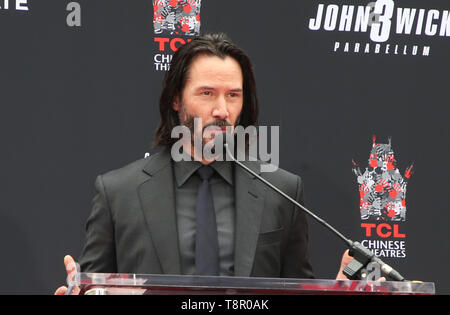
(132, 227)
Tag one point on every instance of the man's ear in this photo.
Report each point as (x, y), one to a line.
(176, 104)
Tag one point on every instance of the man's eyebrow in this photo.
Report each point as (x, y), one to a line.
(205, 87)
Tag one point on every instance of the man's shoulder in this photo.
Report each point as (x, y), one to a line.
(281, 178)
(282, 174)
(130, 174)
(271, 171)
(125, 171)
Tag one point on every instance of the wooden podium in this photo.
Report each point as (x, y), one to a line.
(138, 284)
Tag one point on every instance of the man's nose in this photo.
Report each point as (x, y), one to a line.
(220, 110)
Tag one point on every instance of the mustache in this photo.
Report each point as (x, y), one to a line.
(218, 123)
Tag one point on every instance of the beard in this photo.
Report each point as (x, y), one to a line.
(189, 121)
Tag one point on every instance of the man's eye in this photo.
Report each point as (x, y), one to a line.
(207, 93)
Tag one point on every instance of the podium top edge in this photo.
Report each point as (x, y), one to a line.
(289, 285)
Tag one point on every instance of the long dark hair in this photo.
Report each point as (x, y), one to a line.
(175, 79)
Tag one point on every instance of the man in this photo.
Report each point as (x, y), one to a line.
(146, 216)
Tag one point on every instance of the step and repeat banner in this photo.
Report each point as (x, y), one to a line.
(358, 89)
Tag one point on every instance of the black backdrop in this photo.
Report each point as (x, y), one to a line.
(77, 101)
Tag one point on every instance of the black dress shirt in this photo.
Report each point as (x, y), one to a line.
(186, 183)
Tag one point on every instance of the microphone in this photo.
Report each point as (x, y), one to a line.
(362, 255)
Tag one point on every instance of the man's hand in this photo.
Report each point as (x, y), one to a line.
(346, 259)
(71, 269)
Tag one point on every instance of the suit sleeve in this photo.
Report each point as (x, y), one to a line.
(295, 263)
(99, 253)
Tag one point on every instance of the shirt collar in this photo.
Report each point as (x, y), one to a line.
(225, 170)
(183, 170)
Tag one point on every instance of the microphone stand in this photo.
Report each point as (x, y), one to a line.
(362, 256)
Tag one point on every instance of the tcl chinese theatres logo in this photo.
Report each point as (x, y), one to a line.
(174, 23)
(176, 17)
(382, 188)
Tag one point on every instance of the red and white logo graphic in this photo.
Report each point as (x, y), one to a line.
(176, 17)
(382, 195)
(174, 23)
(382, 188)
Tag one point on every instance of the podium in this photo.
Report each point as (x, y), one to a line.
(139, 284)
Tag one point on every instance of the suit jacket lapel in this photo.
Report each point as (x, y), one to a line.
(249, 194)
(158, 204)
